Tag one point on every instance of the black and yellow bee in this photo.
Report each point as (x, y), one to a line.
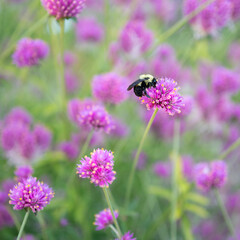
(144, 81)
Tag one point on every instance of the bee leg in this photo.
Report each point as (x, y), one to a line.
(145, 92)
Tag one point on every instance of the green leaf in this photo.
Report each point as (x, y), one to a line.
(198, 210)
(197, 198)
(186, 228)
(161, 192)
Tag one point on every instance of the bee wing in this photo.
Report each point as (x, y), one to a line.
(134, 84)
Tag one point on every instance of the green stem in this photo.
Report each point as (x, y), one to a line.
(13, 216)
(62, 78)
(43, 225)
(176, 142)
(23, 224)
(27, 33)
(230, 149)
(180, 24)
(114, 230)
(224, 213)
(105, 190)
(135, 161)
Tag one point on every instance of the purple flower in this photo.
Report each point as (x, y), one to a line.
(63, 222)
(19, 115)
(188, 105)
(30, 194)
(89, 30)
(69, 58)
(127, 236)
(28, 237)
(164, 9)
(164, 95)
(5, 218)
(29, 52)
(63, 8)
(71, 82)
(23, 173)
(70, 149)
(104, 218)
(135, 38)
(165, 63)
(119, 130)
(99, 168)
(212, 175)
(187, 167)
(234, 52)
(233, 203)
(225, 81)
(162, 169)
(42, 136)
(110, 88)
(236, 9)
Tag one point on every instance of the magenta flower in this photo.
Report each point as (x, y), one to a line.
(135, 38)
(29, 52)
(23, 173)
(71, 81)
(164, 9)
(5, 218)
(69, 58)
(30, 194)
(89, 30)
(212, 175)
(42, 136)
(164, 95)
(236, 9)
(70, 149)
(127, 236)
(110, 88)
(104, 218)
(225, 81)
(99, 168)
(63, 8)
(162, 169)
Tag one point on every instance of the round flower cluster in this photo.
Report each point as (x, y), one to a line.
(164, 95)
(63, 8)
(23, 172)
(104, 218)
(215, 16)
(30, 194)
(20, 143)
(127, 236)
(89, 30)
(210, 176)
(110, 88)
(29, 52)
(99, 168)
(89, 115)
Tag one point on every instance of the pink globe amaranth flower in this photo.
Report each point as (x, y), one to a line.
(42, 136)
(207, 229)
(5, 218)
(74, 107)
(212, 175)
(71, 81)
(70, 149)
(165, 63)
(104, 218)
(63, 8)
(120, 130)
(188, 105)
(28, 237)
(215, 16)
(164, 9)
(63, 222)
(19, 115)
(225, 81)
(29, 52)
(110, 88)
(69, 58)
(187, 167)
(164, 95)
(162, 169)
(127, 236)
(135, 38)
(99, 168)
(89, 30)
(30, 194)
(23, 173)
(233, 203)
(95, 117)
(236, 9)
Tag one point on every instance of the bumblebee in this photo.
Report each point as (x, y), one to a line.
(144, 81)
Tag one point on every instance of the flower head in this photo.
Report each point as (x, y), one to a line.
(63, 8)
(29, 52)
(104, 218)
(110, 88)
(89, 30)
(30, 194)
(212, 175)
(164, 95)
(23, 172)
(99, 168)
(70, 149)
(162, 169)
(127, 236)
